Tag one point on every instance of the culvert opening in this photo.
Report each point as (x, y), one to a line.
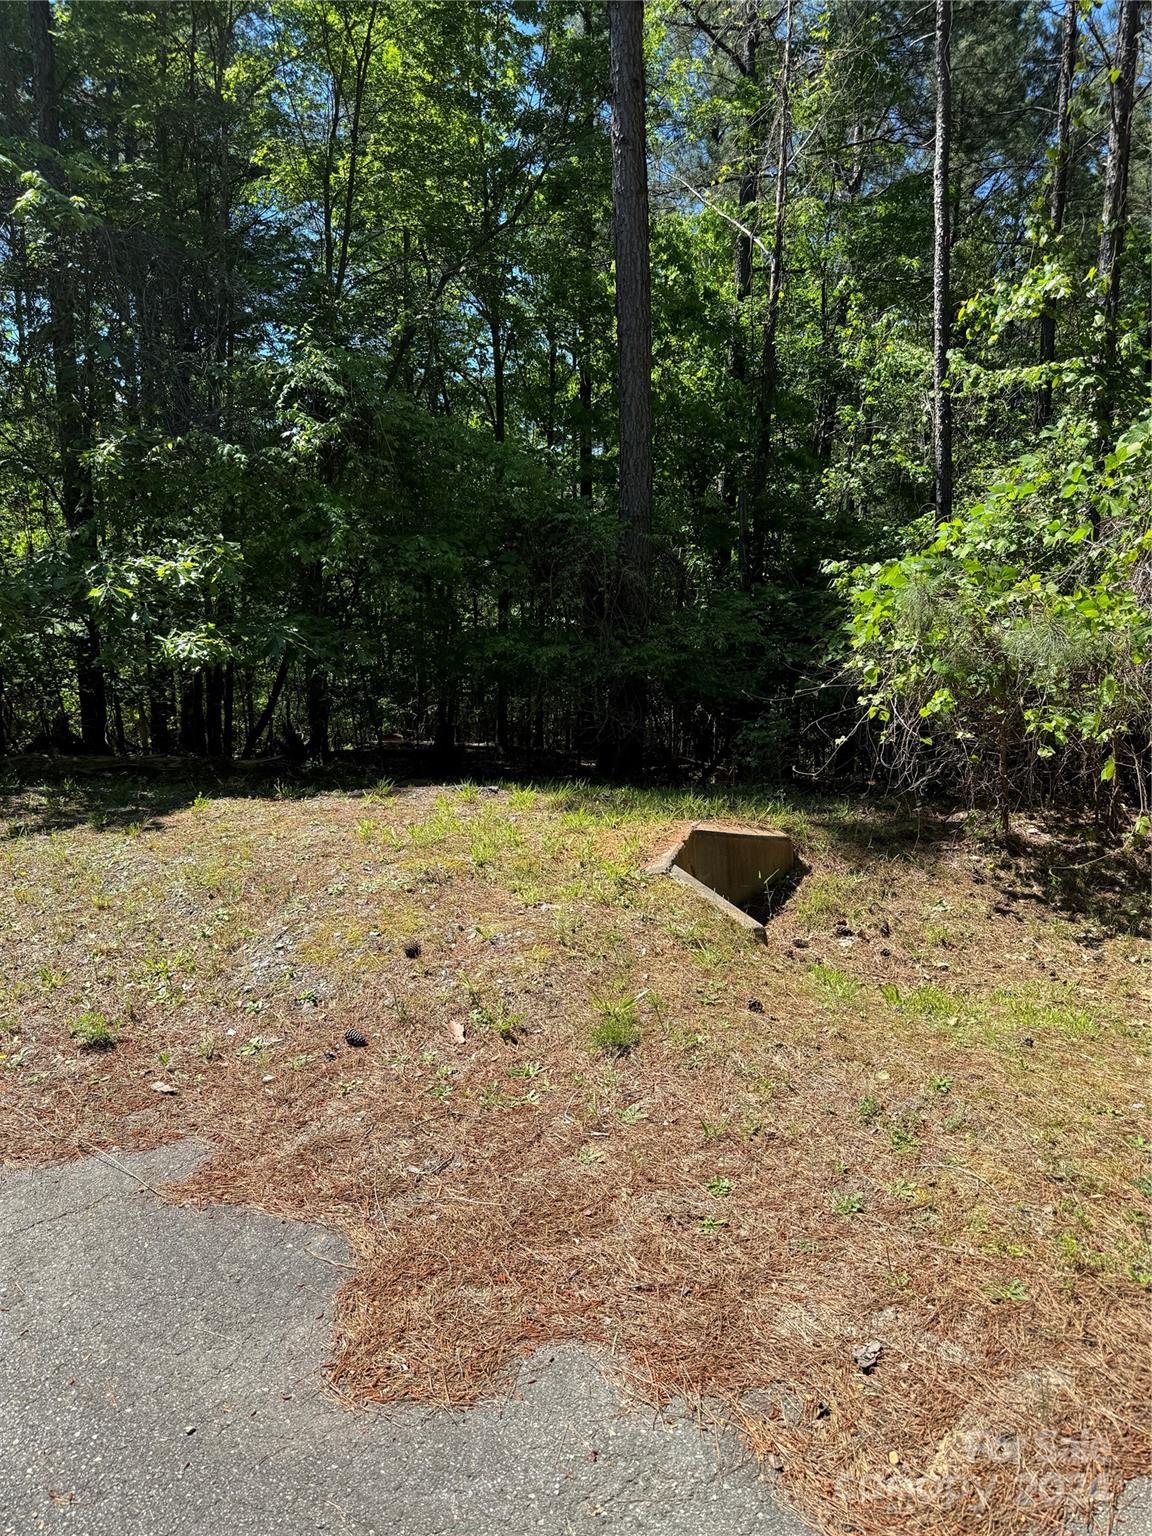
(747, 873)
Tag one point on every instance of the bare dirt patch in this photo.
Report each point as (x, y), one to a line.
(909, 1131)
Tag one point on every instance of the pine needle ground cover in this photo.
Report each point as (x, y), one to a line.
(877, 1191)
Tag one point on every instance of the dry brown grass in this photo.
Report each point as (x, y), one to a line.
(931, 1137)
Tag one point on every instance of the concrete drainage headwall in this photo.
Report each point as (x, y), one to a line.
(731, 867)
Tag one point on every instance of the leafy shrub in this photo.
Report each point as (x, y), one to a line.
(1009, 653)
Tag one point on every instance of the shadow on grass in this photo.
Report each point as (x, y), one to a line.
(52, 794)
(1061, 862)
(1071, 867)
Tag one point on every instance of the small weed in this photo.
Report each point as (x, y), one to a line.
(709, 956)
(486, 847)
(256, 1046)
(634, 1113)
(932, 1002)
(847, 1202)
(902, 1135)
(719, 1186)
(590, 1155)
(569, 929)
(822, 898)
(1010, 1290)
(712, 1224)
(939, 1083)
(93, 1032)
(435, 829)
(868, 1109)
(528, 1069)
(1058, 1013)
(837, 985)
(497, 1019)
(688, 1040)
(441, 1089)
(617, 1031)
(712, 1130)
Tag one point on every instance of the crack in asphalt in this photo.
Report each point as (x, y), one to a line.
(45, 1221)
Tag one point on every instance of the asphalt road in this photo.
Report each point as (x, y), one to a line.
(160, 1376)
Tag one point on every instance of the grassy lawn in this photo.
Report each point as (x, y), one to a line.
(589, 1108)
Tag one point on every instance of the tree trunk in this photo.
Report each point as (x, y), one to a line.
(747, 192)
(318, 705)
(214, 710)
(941, 264)
(260, 724)
(623, 742)
(193, 737)
(504, 597)
(159, 732)
(229, 708)
(75, 482)
(1058, 193)
(444, 739)
(1114, 220)
(751, 519)
(503, 611)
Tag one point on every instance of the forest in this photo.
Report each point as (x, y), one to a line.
(728, 387)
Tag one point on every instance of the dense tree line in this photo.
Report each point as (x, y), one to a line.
(643, 383)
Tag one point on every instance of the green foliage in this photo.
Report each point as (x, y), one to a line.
(617, 1031)
(498, 1019)
(94, 1031)
(308, 395)
(1015, 637)
(847, 1202)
